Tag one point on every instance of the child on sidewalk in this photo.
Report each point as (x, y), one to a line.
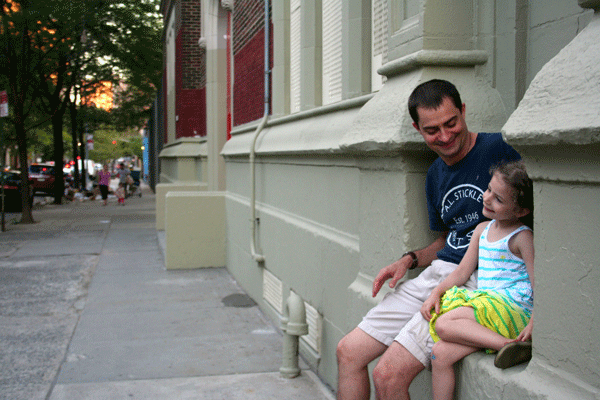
(120, 193)
(498, 316)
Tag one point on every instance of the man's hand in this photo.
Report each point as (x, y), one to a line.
(394, 271)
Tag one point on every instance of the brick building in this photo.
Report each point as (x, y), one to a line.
(331, 178)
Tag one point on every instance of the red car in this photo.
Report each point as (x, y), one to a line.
(42, 177)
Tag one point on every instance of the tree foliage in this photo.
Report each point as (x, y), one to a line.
(128, 36)
(57, 52)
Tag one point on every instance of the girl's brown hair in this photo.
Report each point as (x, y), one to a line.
(514, 173)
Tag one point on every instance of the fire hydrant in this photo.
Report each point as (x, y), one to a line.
(293, 325)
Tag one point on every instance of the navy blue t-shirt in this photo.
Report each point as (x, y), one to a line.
(455, 193)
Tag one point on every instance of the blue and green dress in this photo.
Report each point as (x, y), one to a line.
(503, 301)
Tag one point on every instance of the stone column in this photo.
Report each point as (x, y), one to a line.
(214, 20)
(280, 11)
(311, 60)
(356, 54)
(557, 130)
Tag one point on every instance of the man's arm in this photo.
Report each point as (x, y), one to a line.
(398, 269)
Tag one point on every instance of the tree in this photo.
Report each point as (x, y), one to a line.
(43, 58)
(129, 35)
(24, 47)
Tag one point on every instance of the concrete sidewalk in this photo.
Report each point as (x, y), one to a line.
(113, 323)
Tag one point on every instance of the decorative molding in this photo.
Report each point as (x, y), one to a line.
(436, 58)
(227, 5)
(202, 43)
(561, 105)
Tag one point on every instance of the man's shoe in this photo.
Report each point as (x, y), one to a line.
(512, 354)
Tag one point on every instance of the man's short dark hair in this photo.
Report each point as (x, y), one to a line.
(431, 94)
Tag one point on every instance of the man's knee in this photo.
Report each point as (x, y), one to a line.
(349, 349)
(358, 348)
(387, 375)
(344, 350)
(396, 369)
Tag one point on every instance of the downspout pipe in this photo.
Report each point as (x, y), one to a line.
(254, 221)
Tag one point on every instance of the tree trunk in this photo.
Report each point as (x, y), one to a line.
(26, 217)
(59, 151)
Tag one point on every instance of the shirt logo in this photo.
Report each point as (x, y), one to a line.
(460, 211)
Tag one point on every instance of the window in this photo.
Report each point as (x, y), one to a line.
(379, 35)
(332, 51)
(295, 43)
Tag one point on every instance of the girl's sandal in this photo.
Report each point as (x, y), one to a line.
(512, 354)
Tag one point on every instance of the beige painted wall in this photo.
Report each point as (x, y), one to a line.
(334, 208)
(340, 188)
(194, 230)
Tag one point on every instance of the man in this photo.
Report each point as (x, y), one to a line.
(123, 172)
(456, 181)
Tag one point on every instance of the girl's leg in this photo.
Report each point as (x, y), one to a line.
(443, 356)
(460, 326)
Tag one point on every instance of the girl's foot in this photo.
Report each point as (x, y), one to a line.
(512, 354)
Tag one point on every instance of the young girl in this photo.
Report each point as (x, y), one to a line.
(498, 316)
(120, 193)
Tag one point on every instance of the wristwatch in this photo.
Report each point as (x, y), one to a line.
(415, 262)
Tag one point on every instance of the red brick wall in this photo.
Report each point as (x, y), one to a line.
(192, 113)
(190, 73)
(248, 55)
(192, 58)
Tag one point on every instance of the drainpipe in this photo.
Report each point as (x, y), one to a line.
(254, 221)
(293, 325)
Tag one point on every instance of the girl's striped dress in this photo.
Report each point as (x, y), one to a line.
(503, 300)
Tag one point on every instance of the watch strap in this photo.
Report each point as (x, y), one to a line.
(415, 262)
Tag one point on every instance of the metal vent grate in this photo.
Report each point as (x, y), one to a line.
(315, 328)
(273, 291)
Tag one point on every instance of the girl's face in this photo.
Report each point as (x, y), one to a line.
(499, 201)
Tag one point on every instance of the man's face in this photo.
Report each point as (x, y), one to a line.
(445, 131)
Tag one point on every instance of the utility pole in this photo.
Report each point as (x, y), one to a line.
(3, 113)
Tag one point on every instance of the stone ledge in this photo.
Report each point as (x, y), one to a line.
(561, 105)
(185, 147)
(162, 189)
(479, 379)
(194, 230)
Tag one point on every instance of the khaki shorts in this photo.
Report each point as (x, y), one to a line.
(398, 317)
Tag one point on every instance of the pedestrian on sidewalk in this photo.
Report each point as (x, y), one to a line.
(104, 182)
(123, 173)
(120, 193)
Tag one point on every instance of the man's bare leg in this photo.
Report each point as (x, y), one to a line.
(354, 353)
(394, 373)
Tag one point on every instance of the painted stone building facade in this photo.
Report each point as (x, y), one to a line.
(331, 177)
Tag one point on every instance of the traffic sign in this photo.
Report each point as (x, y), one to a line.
(3, 103)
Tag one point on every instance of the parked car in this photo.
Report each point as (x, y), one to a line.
(43, 177)
(11, 180)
